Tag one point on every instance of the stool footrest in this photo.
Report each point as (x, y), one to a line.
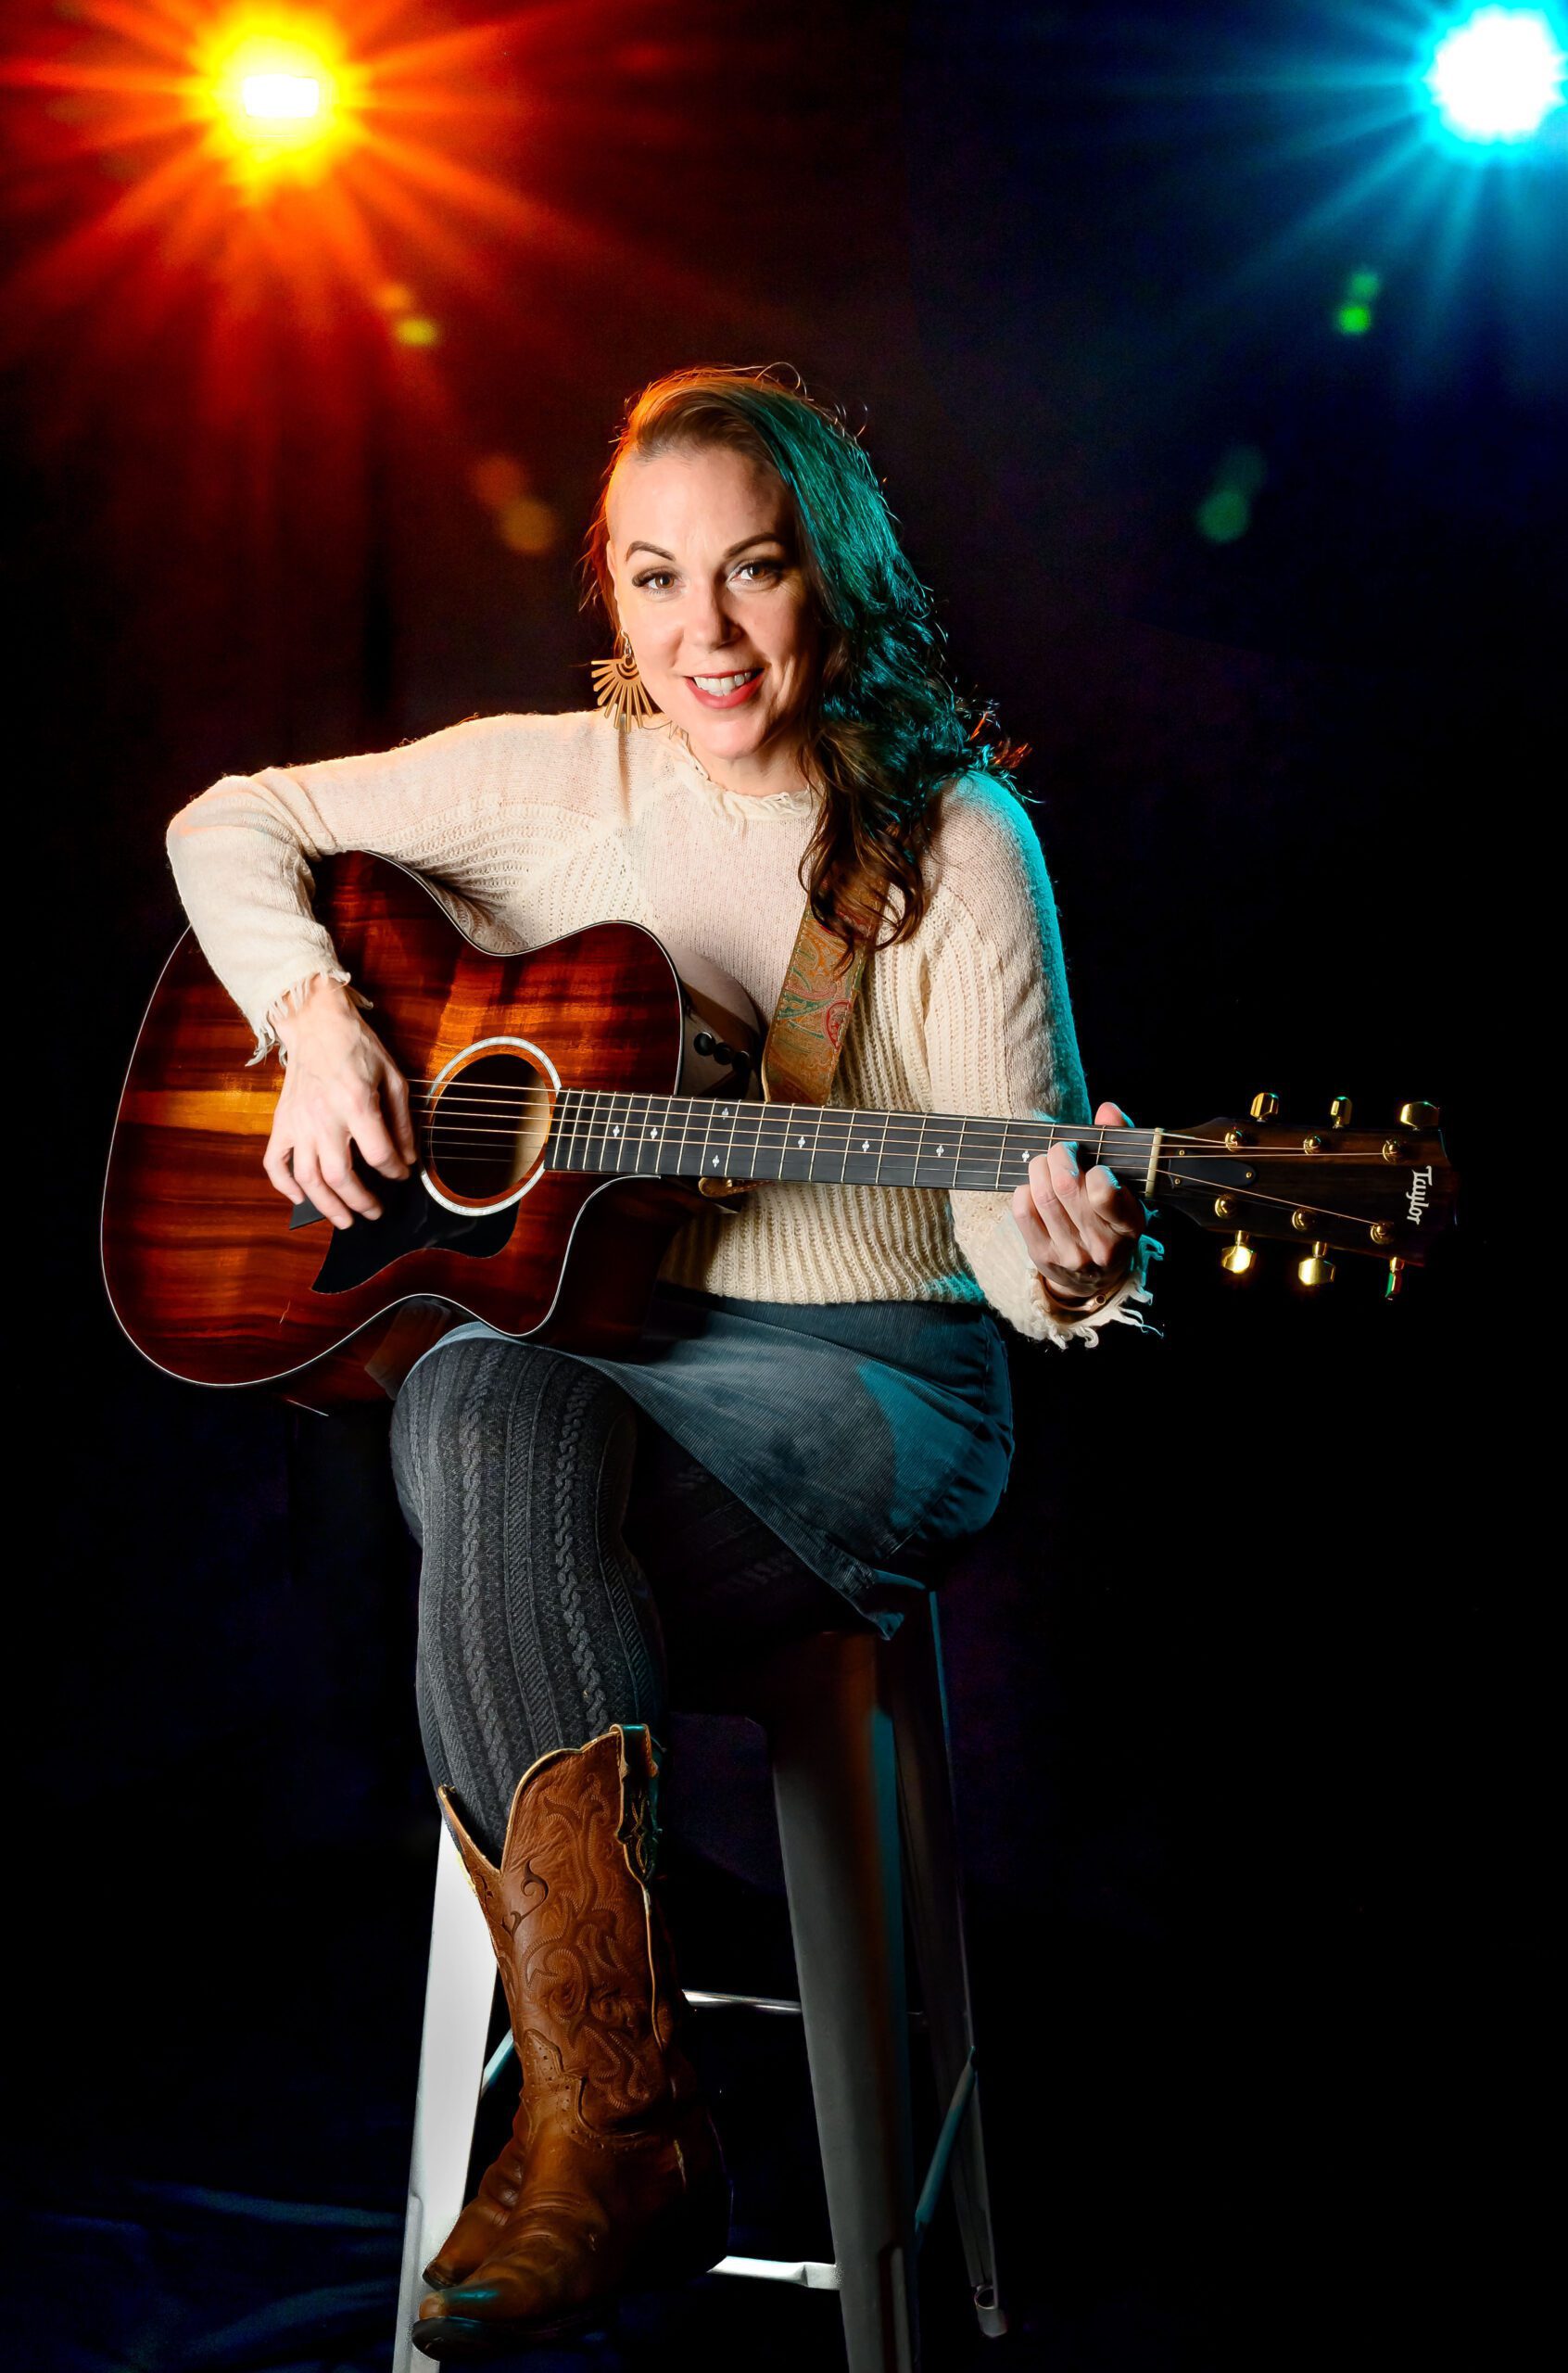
(770, 2002)
(807, 2274)
(774, 2005)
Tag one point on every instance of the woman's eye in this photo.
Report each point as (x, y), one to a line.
(656, 578)
(760, 568)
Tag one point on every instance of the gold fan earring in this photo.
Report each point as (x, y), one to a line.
(620, 691)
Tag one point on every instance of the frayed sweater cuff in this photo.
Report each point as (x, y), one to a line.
(289, 1001)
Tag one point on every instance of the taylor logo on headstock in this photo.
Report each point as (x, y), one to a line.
(1338, 1187)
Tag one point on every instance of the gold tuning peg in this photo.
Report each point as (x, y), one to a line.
(1340, 1112)
(1317, 1269)
(1418, 1116)
(1394, 1284)
(1238, 1257)
(1265, 1104)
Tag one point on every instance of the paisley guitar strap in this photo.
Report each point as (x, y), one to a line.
(807, 1034)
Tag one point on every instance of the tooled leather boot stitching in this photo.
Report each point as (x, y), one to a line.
(613, 2176)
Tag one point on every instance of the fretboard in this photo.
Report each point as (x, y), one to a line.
(697, 1137)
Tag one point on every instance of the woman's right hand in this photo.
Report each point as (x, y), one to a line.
(341, 1089)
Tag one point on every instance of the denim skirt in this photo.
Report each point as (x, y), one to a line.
(873, 1438)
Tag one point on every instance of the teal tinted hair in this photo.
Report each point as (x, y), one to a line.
(887, 728)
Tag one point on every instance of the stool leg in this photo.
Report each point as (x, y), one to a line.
(917, 1696)
(458, 1989)
(834, 1785)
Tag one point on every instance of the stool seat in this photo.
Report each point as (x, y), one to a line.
(857, 1741)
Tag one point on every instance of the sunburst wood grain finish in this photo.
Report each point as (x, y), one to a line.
(203, 1269)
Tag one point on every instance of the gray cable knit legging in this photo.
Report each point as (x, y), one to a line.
(568, 1546)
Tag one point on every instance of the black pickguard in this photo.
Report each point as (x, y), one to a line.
(410, 1222)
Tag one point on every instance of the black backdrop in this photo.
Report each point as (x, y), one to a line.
(1244, 1748)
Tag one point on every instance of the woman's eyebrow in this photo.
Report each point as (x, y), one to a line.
(769, 535)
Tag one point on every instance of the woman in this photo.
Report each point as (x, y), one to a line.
(818, 1410)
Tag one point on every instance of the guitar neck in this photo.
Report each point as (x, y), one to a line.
(693, 1136)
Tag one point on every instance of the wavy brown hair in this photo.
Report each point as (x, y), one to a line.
(886, 728)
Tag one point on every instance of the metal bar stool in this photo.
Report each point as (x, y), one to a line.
(857, 1740)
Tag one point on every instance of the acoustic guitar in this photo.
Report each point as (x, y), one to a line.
(573, 1105)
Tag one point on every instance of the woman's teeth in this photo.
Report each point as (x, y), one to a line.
(720, 684)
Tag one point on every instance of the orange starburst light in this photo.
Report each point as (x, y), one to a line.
(281, 94)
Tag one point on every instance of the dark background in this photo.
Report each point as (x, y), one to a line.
(1240, 1677)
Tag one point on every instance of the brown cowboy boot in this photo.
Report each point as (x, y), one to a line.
(613, 2177)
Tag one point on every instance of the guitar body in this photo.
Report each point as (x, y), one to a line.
(205, 1270)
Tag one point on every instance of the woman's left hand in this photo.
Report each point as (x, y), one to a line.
(1081, 1227)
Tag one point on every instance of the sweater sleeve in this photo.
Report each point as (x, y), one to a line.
(1000, 1037)
(242, 852)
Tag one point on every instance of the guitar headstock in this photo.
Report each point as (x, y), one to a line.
(1323, 1189)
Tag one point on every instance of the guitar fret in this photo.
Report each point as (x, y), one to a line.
(773, 1130)
(563, 1152)
(687, 1115)
(723, 1165)
(568, 1111)
(865, 1137)
(571, 1107)
(592, 1143)
(621, 1130)
(743, 1153)
(709, 1110)
(639, 1122)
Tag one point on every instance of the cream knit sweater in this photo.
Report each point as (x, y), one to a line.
(529, 827)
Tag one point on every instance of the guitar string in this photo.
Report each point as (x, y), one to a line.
(1285, 1203)
(747, 1107)
(1173, 1179)
(684, 1112)
(465, 1129)
(581, 1127)
(887, 1145)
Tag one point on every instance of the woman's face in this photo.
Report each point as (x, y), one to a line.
(710, 590)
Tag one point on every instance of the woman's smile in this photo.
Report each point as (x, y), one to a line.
(727, 692)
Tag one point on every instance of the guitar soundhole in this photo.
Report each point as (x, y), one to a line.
(487, 1128)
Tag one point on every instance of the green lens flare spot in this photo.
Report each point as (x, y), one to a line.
(1223, 516)
(1362, 286)
(1353, 321)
